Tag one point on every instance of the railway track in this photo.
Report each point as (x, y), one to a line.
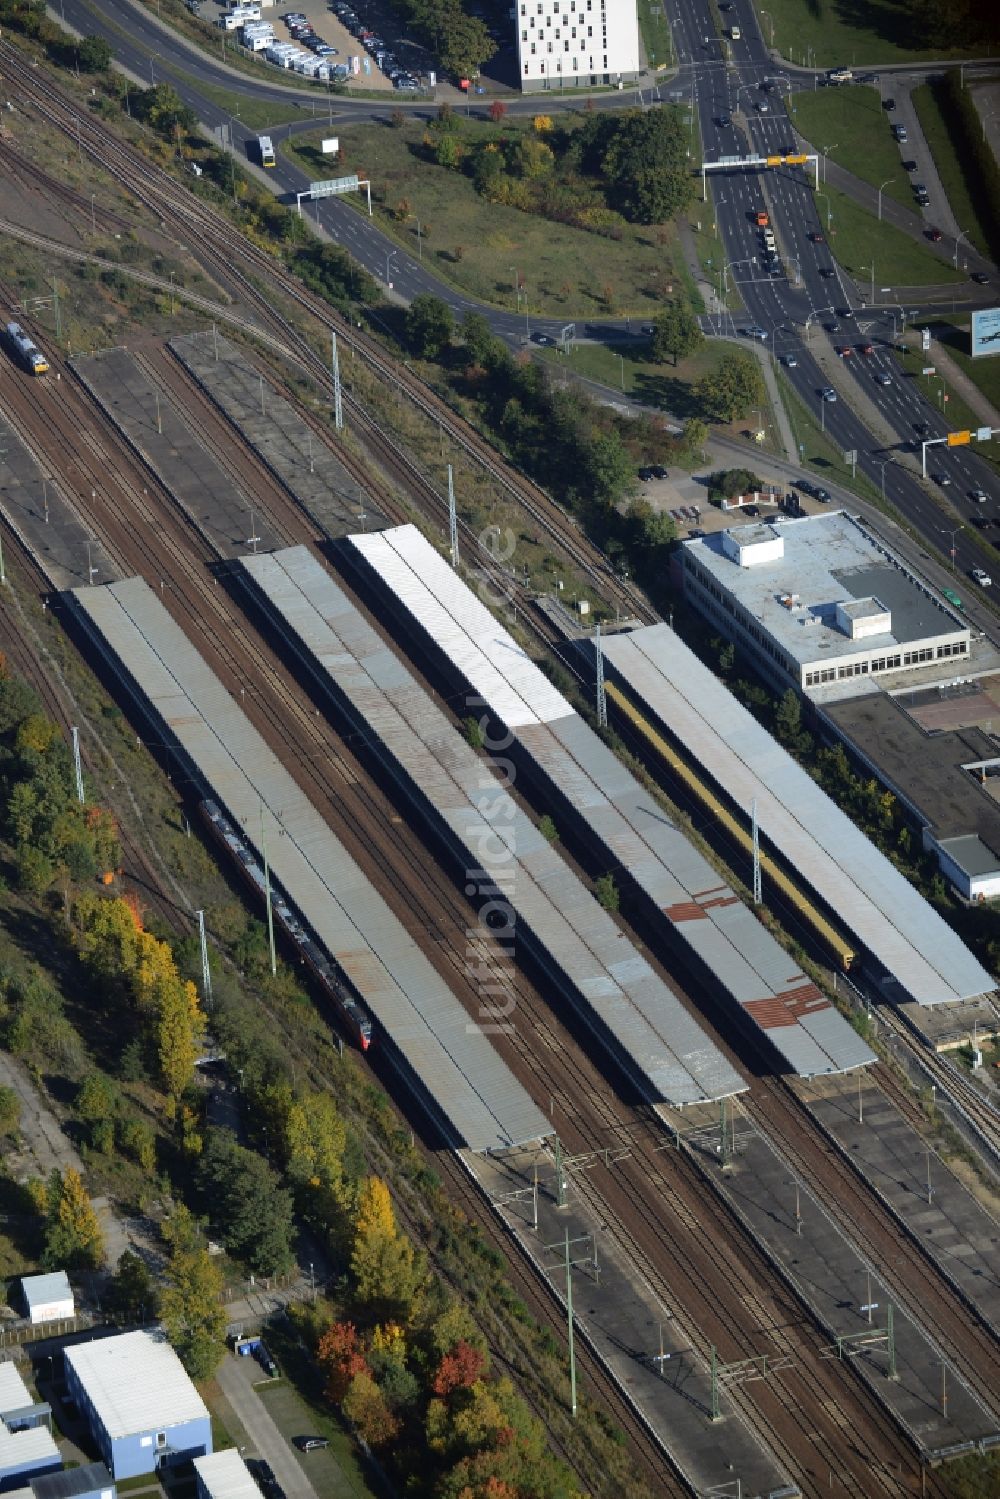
(980, 1113)
(226, 248)
(144, 533)
(189, 599)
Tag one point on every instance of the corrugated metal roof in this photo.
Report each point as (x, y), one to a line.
(225, 1475)
(888, 916)
(94, 1478)
(13, 1390)
(477, 1094)
(32, 1445)
(136, 1382)
(740, 954)
(553, 908)
(39, 1290)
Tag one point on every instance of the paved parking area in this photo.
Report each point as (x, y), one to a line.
(236, 1378)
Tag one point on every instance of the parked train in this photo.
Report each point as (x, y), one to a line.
(25, 350)
(355, 1017)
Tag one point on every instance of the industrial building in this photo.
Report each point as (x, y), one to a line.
(936, 749)
(552, 919)
(819, 603)
(691, 913)
(442, 1055)
(142, 1410)
(224, 1475)
(26, 1454)
(48, 1298)
(906, 950)
(576, 43)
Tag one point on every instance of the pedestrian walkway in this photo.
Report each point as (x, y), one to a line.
(961, 383)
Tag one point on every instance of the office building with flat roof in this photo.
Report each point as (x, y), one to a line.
(819, 602)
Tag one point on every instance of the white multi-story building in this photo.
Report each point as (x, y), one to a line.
(576, 43)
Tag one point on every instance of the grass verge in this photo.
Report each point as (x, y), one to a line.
(959, 416)
(857, 238)
(334, 1471)
(655, 32)
(839, 37)
(853, 120)
(481, 247)
(959, 192)
(257, 114)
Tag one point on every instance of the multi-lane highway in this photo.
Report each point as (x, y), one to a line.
(723, 80)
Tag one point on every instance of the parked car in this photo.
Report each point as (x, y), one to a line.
(311, 1444)
(888, 104)
(909, 166)
(823, 495)
(934, 235)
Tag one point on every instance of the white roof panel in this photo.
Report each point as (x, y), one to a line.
(224, 1475)
(33, 1445)
(41, 1290)
(13, 1390)
(888, 916)
(136, 1383)
(729, 947)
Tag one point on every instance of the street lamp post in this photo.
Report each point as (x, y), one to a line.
(884, 185)
(770, 22)
(826, 152)
(952, 534)
(959, 236)
(871, 268)
(829, 210)
(390, 255)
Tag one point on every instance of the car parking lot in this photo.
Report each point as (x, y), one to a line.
(348, 34)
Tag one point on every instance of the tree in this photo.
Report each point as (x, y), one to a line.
(178, 1029)
(340, 1355)
(497, 111)
(429, 325)
(645, 165)
(95, 54)
(130, 1291)
(458, 1370)
(607, 892)
(462, 42)
(388, 1273)
(73, 1238)
(364, 1405)
(10, 1112)
(675, 332)
(191, 1306)
(730, 391)
(249, 1210)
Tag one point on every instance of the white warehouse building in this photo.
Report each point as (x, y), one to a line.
(576, 43)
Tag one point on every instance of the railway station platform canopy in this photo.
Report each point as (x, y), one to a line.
(535, 896)
(725, 944)
(446, 1059)
(919, 953)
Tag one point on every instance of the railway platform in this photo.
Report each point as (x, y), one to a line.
(847, 1295)
(168, 442)
(955, 1229)
(633, 1326)
(38, 511)
(304, 464)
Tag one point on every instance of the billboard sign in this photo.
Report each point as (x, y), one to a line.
(986, 331)
(331, 145)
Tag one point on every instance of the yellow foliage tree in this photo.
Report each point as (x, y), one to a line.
(375, 1214)
(178, 1030)
(389, 1338)
(388, 1273)
(542, 124)
(109, 936)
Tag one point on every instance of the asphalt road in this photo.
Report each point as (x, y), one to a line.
(721, 79)
(812, 287)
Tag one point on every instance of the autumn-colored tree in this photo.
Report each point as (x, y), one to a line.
(341, 1357)
(73, 1238)
(497, 111)
(458, 1370)
(191, 1306)
(178, 1030)
(542, 124)
(364, 1405)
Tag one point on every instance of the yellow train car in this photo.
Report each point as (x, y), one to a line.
(835, 943)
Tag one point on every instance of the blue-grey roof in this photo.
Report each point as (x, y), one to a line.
(94, 1478)
(476, 1093)
(40, 1290)
(665, 1047)
(885, 913)
(704, 914)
